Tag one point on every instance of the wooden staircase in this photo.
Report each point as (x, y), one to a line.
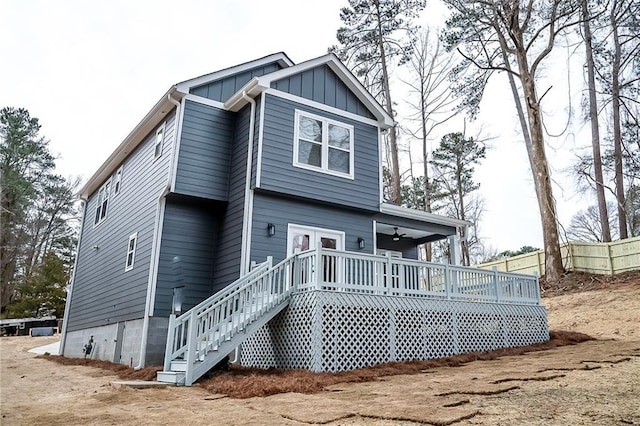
(202, 337)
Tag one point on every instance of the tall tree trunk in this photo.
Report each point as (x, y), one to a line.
(617, 134)
(541, 177)
(595, 128)
(425, 161)
(393, 132)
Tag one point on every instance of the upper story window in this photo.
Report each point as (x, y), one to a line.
(117, 182)
(323, 145)
(102, 202)
(157, 150)
(131, 251)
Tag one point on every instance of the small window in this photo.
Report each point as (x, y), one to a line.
(117, 182)
(324, 145)
(102, 202)
(157, 152)
(131, 251)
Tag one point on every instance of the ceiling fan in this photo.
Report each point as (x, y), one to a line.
(396, 236)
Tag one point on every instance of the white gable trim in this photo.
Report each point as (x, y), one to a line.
(205, 101)
(343, 73)
(280, 57)
(323, 107)
(263, 84)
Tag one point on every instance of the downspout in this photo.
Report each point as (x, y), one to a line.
(65, 316)
(248, 195)
(155, 248)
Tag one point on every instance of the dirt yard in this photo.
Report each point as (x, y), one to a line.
(595, 382)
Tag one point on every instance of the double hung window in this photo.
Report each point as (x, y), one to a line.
(323, 145)
(131, 251)
(102, 202)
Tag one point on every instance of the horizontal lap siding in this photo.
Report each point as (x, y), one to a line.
(221, 90)
(203, 160)
(103, 292)
(268, 208)
(279, 174)
(230, 239)
(321, 84)
(189, 233)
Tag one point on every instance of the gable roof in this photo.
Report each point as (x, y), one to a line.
(281, 58)
(254, 87)
(259, 84)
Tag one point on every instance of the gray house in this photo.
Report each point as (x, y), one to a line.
(262, 180)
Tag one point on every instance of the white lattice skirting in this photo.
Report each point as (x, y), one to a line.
(339, 331)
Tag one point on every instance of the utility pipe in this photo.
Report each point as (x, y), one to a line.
(248, 198)
(155, 249)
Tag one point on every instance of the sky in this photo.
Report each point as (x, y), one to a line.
(91, 70)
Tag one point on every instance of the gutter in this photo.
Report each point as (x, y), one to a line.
(157, 233)
(158, 113)
(422, 216)
(248, 194)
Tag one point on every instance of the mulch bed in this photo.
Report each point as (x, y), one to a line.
(241, 382)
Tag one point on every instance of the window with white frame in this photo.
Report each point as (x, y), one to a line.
(323, 145)
(131, 251)
(102, 202)
(117, 182)
(157, 151)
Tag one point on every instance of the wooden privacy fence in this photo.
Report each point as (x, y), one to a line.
(597, 258)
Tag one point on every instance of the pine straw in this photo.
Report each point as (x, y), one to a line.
(122, 371)
(242, 382)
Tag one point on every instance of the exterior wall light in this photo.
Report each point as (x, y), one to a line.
(271, 229)
(360, 243)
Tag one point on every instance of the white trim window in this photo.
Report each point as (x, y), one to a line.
(157, 149)
(323, 145)
(131, 251)
(102, 203)
(117, 182)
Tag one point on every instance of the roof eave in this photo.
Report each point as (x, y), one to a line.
(158, 113)
(422, 216)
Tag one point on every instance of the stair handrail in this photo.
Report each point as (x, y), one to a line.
(177, 323)
(184, 331)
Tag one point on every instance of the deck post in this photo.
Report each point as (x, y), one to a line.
(168, 349)
(496, 285)
(447, 290)
(191, 348)
(319, 270)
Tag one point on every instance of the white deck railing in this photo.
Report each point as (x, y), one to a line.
(386, 275)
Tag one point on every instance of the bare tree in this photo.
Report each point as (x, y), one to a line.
(484, 33)
(595, 127)
(586, 225)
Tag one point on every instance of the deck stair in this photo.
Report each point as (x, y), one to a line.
(203, 336)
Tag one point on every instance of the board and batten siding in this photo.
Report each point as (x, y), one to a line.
(321, 84)
(205, 150)
(228, 259)
(270, 208)
(221, 90)
(103, 292)
(187, 253)
(280, 175)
